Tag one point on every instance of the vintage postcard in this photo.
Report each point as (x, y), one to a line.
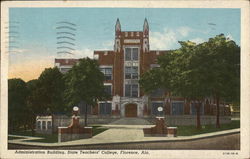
(125, 79)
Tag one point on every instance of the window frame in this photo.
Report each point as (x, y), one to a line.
(108, 75)
(111, 87)
(103, 102)
(201, 110)
(130, 73)
(182, 107)
(130, 86)
(129, 55)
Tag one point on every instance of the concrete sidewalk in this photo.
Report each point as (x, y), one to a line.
(120, 134)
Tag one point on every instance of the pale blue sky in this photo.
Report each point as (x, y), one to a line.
(95, 28)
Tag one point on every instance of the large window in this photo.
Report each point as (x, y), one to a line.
(131, 72)
(131, 90)
(193, 109)
(177, 108)
(108, 89)
(107, 71)
(64, 70)
(49, 124)
(131, 54)
(39, 125)
(105, 108)
(154, 108)
(82, 107)
(44, 125)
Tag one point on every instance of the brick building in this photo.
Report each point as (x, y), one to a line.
(122, 67)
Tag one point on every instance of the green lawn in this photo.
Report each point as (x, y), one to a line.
(53, 138)
(191, 130)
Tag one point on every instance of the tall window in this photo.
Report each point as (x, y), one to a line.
(108, 89)
(177, 108)
(49, 124)
(43, 125)
(194, 110)
(82, 106)
(107, 71)
(131, 90)
(39, 125)
(131, 72)
(131, 54)
(105, 108)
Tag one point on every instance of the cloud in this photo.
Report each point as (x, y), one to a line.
(15, 50)
(82, 53)
(108, 44)
(184, 31)
(168, 38)
(163, 40)
(198, 40)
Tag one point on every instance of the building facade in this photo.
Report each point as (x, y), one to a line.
(122, 67)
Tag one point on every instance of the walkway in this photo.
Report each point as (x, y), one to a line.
(131, 121)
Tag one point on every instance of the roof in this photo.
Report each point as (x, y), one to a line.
(66, 61)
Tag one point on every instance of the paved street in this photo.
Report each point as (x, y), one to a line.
(131, 136)
(227, 142)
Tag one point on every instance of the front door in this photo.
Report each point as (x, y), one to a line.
(131, 110)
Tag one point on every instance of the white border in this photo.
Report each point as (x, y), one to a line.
(245, 74)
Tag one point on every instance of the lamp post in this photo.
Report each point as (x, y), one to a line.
(75, 110)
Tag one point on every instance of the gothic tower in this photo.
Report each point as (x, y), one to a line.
(145, 36)
(117, 45)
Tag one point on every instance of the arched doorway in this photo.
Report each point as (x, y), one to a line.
(131, 110)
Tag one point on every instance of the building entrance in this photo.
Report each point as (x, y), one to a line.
(131, 110)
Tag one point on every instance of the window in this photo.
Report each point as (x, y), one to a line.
(152, 66)
(64, 70)
(193, 109)
(43, 125)
(131, 72)
(134, 90)
(108, 89)
(154, 108)
(131, 54)
(105, 108)
(82, 108)
(177, 108)
(49, 125)
(127, 90)
(107, 73)
(131, 90)
(38, 125)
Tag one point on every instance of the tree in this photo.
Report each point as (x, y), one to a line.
(34, 103)
(17, 95)
(186, 80)
(222, 62)
(84, 82)
(197, 71)
(51, 86)
(152, 80)
(176, 74)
